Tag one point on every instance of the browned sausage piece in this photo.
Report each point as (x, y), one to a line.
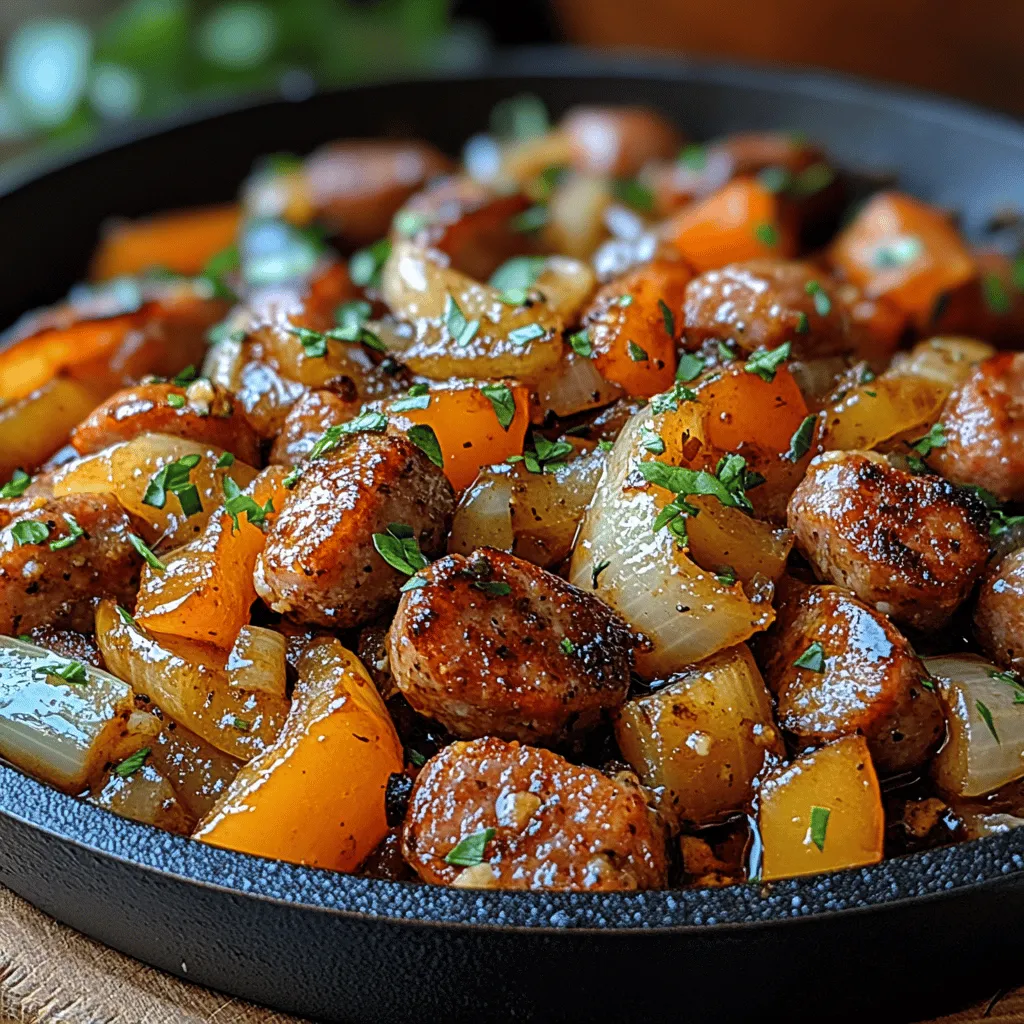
(910, 546)
(999, 614)
(66, 643)
(199, 411)
(495, 645)
(41, 587)
(320, 564)
(618, 140)
(556, 825)
(858, 674)
(308, 418)
(983, 424)
(763, 303)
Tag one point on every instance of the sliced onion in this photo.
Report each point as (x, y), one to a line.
(684, 611)
(575, 224)
(946, 361)
(257, 661)
(977, 757)
(144, 796)
(574, 386)
(484, 516)
(63, 733)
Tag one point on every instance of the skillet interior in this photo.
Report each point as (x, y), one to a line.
(347, 948)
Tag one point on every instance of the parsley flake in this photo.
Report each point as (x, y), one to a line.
(132, 764)
(409, 222)
(364, 266)
(633, 193)
(822, 303)
(174, 479)
(236, 503)
(492, 588)
(470, 851)
(518, 275)
(636, 353)
(417, 397)
(526, 333)
(668, 317)
(813, 659)
(897, 252)
(997, 300)
(400, 549)
(460, 329)
(568, 647)
(800, 442)
(28, 531)
(17, 485)
(819, 825)
(596, 571)
(652, 442)
(422, 435)
(726, 575)
(70, 671)
(690, 367)
(581, 344)
(530, 220)
(143, 549)
(935, 438)
(803, 323)
(74, 532)
(767, 234)
(503, 402)
(176, 401)
(373, 422)
(669, 401)
(986, 717)
(693, 156)
(766, 362)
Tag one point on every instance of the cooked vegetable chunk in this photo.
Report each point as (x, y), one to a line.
(618, 140)
(910, 546)
(94, 558)
(494, 645)
(823, 812)
(497, 815)
(320, 563)
(699, 742)
(316, 795)
(837, 667)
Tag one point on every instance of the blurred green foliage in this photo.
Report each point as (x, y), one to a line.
(63, 78)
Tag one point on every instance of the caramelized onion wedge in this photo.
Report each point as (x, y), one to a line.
(188, 681)
(62, 732)
(514, 341)
(316, 796)
(686, 613)
(258, 661)
(984, 746)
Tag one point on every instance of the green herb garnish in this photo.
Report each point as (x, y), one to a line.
(813, 659)
(636, 353)
(800, 442)
(460, 329)
(819, 825)
(17, 485)
(503, 402)
(371, 422)
(767, 234)
(422, 435)
(74, 532)
(581, 344)
(470, 851)
(174, 479)
(526, 333)
(400, 549)
(143, 549)
(364, 267)
(133, 763)
(28, 531)
(417, 397)
(766, 362)
(236, 503)
(596, 571)
(986, 717)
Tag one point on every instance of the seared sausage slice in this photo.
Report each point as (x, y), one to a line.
(495, 645)
(983, 426)
(42, 587)
(910, 546)
(320, 564)
(999, 614)
(199, 411)
(763, 303)
(618, 140)
(556, 825)
(308, 418)
(857, 674)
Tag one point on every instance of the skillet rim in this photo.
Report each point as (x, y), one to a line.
(910, 879)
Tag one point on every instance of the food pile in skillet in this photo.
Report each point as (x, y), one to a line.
(609, 512)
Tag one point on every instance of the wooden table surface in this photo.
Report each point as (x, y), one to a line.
(49, 974)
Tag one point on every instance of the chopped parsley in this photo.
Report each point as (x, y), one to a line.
(803, 323)
(241, 724)
(997, 300)
(400, 549)
(364, 266)
(567, 646)
(460, 329)
(624, 300)
(176, 401)
(503, 402)
(70, 671)
(526, 333)
(515, 277)
(633, 193)
(530, 220)
(800, 442)
(125, 617)
(813, 659)
(690, 367)
(132, 764)
(226, 461)
(693, 156)
(935, 438)
(492, 588)
(416, 759)
(143, 549)
(185, 377)
(74, 532)
(413, 583)
(728, 483)
(470, 851)
(652, 442)
(236, 503)
(767, 234)
(174, 479)
(17, 485)
(417, 397)
(409, 222)
(986, 717)
(636, 353)
(819, 825)
(897, 252)
(373, 422)
(1011, 681)
(596, 571)
(927, 683)
(544, 455)
(581, 344)
(422, 435)
(766, 362)
(726, 575)
(726, 354)
(774, 179)
(218, 267)
(28, 531)
(668, 317)
(668, 401)
(822, 303)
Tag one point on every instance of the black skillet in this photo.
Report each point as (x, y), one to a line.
(902, 940)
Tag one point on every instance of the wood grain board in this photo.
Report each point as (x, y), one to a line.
(51, 974)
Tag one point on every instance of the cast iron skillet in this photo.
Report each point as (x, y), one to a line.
(902, 940)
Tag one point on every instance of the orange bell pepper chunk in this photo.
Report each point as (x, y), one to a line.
(823, 812)
(467, 425)
(633, 326)
(746, 408)
(182, 241)
(316, 795)
(206, 590)
(742, 221)
(905, 250)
